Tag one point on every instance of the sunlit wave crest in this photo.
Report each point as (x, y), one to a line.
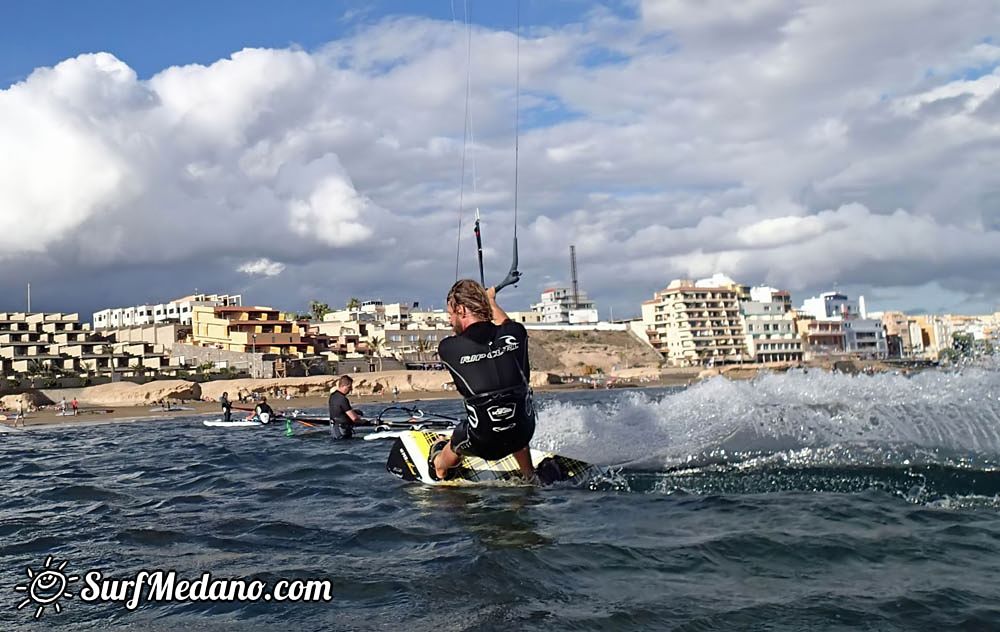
(929, 436)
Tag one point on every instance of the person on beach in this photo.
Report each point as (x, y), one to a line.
(488, 360)
(343, 416)
(263, 412)
(76, 406)
(20, 411)
(227, 407)
(62, 405)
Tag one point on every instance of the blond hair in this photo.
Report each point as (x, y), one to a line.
(472, 296)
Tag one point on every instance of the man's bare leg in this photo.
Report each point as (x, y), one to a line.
(523, 458)
(445, 460)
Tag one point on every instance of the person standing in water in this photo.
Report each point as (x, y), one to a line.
(227, 407)
(343, 417)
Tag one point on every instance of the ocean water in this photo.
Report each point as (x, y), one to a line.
(804, 501)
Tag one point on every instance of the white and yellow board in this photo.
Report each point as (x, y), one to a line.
(411, 449)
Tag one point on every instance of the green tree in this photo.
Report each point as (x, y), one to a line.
(319, 310)
(36, 368)
(376, 346)
(353, 303)
(963, 343)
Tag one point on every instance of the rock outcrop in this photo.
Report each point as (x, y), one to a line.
(31, 400)
(129, 394)
(364, 384)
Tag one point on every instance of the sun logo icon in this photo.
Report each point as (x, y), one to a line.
(46, 587)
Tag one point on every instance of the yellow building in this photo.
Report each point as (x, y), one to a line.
(249, 330)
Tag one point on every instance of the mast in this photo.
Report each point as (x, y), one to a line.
(572, 271)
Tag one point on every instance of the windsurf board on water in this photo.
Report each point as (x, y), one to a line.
(262, 420)
(411, 449)
(161, 409)
(235, 423)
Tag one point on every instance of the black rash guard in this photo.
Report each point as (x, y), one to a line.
(341, 426)
(261, 408)
(489, 364)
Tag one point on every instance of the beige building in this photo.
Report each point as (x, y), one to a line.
(527, 318)
(251, 330)
(903, 334)
(697, 323)
(55, 343)
(402, 332)
(371, 311)
(935, 334)
(820, 338)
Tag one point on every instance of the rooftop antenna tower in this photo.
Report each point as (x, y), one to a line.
(29, 298)
(572, 271)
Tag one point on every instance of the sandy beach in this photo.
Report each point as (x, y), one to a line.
(124, 414)
(49, 417)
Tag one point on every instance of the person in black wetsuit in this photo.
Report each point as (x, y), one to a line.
(488, 359)
(343, 417)
(227, 407)
(263, 408)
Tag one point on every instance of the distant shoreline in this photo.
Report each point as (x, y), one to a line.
(369, 403)
(49, 417)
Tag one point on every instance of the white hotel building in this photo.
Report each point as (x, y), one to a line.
(559, 306)
(176, 311)
(862, 335)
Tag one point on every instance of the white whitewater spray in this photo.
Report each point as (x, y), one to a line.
(955, 412)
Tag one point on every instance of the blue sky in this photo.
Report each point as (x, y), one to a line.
(800, 144)
(150, 36)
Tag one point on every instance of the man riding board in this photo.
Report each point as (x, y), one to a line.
(488, 359)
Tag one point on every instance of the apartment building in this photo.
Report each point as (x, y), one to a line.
(904, 338)
(252, 330)
(935, 334)
(176, 311)
(771, 333)
(820, 338)
(371, 311)
(863, 336)
(560, 305)
(58, 343)
(697, 323)
(525, 318)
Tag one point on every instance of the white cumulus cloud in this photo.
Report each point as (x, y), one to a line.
(262, 267)
(793, 143)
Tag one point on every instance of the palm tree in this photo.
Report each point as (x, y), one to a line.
(319, 310)
(36, 368)
(423, 346)
(376, 346)
(353, 303)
